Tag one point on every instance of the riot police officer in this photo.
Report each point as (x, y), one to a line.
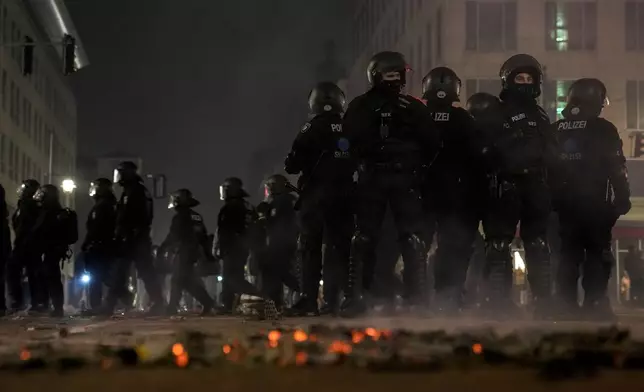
(276, 216)
(233, 241)
(519, 152)
(24, 255)
(134, 214)
(321, 154)
(56, 229)
(98, 245)
(590, 191)
(390, 134)
(450, 191)
(484, 108)
(187, 241)
(5, 248)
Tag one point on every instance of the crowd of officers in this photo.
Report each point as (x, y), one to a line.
(442, 170)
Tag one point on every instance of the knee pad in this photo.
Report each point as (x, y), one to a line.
(412, 241)
(497, 246)
(361, 240)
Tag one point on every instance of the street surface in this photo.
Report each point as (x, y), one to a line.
(85, 333)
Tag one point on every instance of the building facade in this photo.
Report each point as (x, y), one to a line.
(572, 39)
(38, 111)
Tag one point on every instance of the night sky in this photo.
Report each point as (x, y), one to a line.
(200, 89)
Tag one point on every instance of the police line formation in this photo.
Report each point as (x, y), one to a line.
(440, 168)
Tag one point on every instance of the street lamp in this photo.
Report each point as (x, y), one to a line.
(68, 185)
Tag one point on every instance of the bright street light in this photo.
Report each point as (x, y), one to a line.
(68, 185)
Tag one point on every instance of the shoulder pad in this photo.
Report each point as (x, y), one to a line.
(305, 127)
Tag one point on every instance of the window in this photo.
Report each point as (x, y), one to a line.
(554, 96)
(571, 26)
(635, 104)
(634, 26)
(26, 116)
(3, 155)
(429, 39)
(12, 172)
(490, 27)
(18, 106)
(419, 53)
(12, 101)
(439, 34)
(23, 167)
(403, 17)
(4, 89)
(473, 86)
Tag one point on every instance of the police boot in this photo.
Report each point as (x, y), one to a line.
(415, 274)
(447, 302)
(498, 303)
(567, 302)
(310, 270)
(540, 279)
(597, 269)
(354, 303)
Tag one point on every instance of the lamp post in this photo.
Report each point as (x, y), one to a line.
(68, 186)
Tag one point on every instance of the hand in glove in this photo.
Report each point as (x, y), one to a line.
(622, 206)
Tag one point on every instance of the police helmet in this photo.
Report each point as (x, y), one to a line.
(327, 97)
(125, 171)
(47, 193)
(522, 63)
(588, 91)
(386, 62)
(182, 198)
(480, 103)
(232, 188)
(27, 189)
(100, 187)
(442, 84)
(275, 185)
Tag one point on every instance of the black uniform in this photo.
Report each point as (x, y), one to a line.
(484, 108)
(134, 214)
(590, 191)
(520, 151)
(321, 154)
(276, 216)
(233, 241)
(24, 255)
(188, 242)
(55, 230)
(451, 191)
(98, 246)
(5, 248)
(391, 135)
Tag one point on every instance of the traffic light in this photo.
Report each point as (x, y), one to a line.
(28, 56)
(69, 54)
(638, 151)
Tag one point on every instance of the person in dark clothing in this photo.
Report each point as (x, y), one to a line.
(24, 255)
(590, 191)
(451, 191)
(98, 245)
(391, 135)
(133, 244)
(187, 241)
(518, 152)
(55, 230)
(634, 266)
(321, 154)
(276, 216)
(233, 242)
(5, 249)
